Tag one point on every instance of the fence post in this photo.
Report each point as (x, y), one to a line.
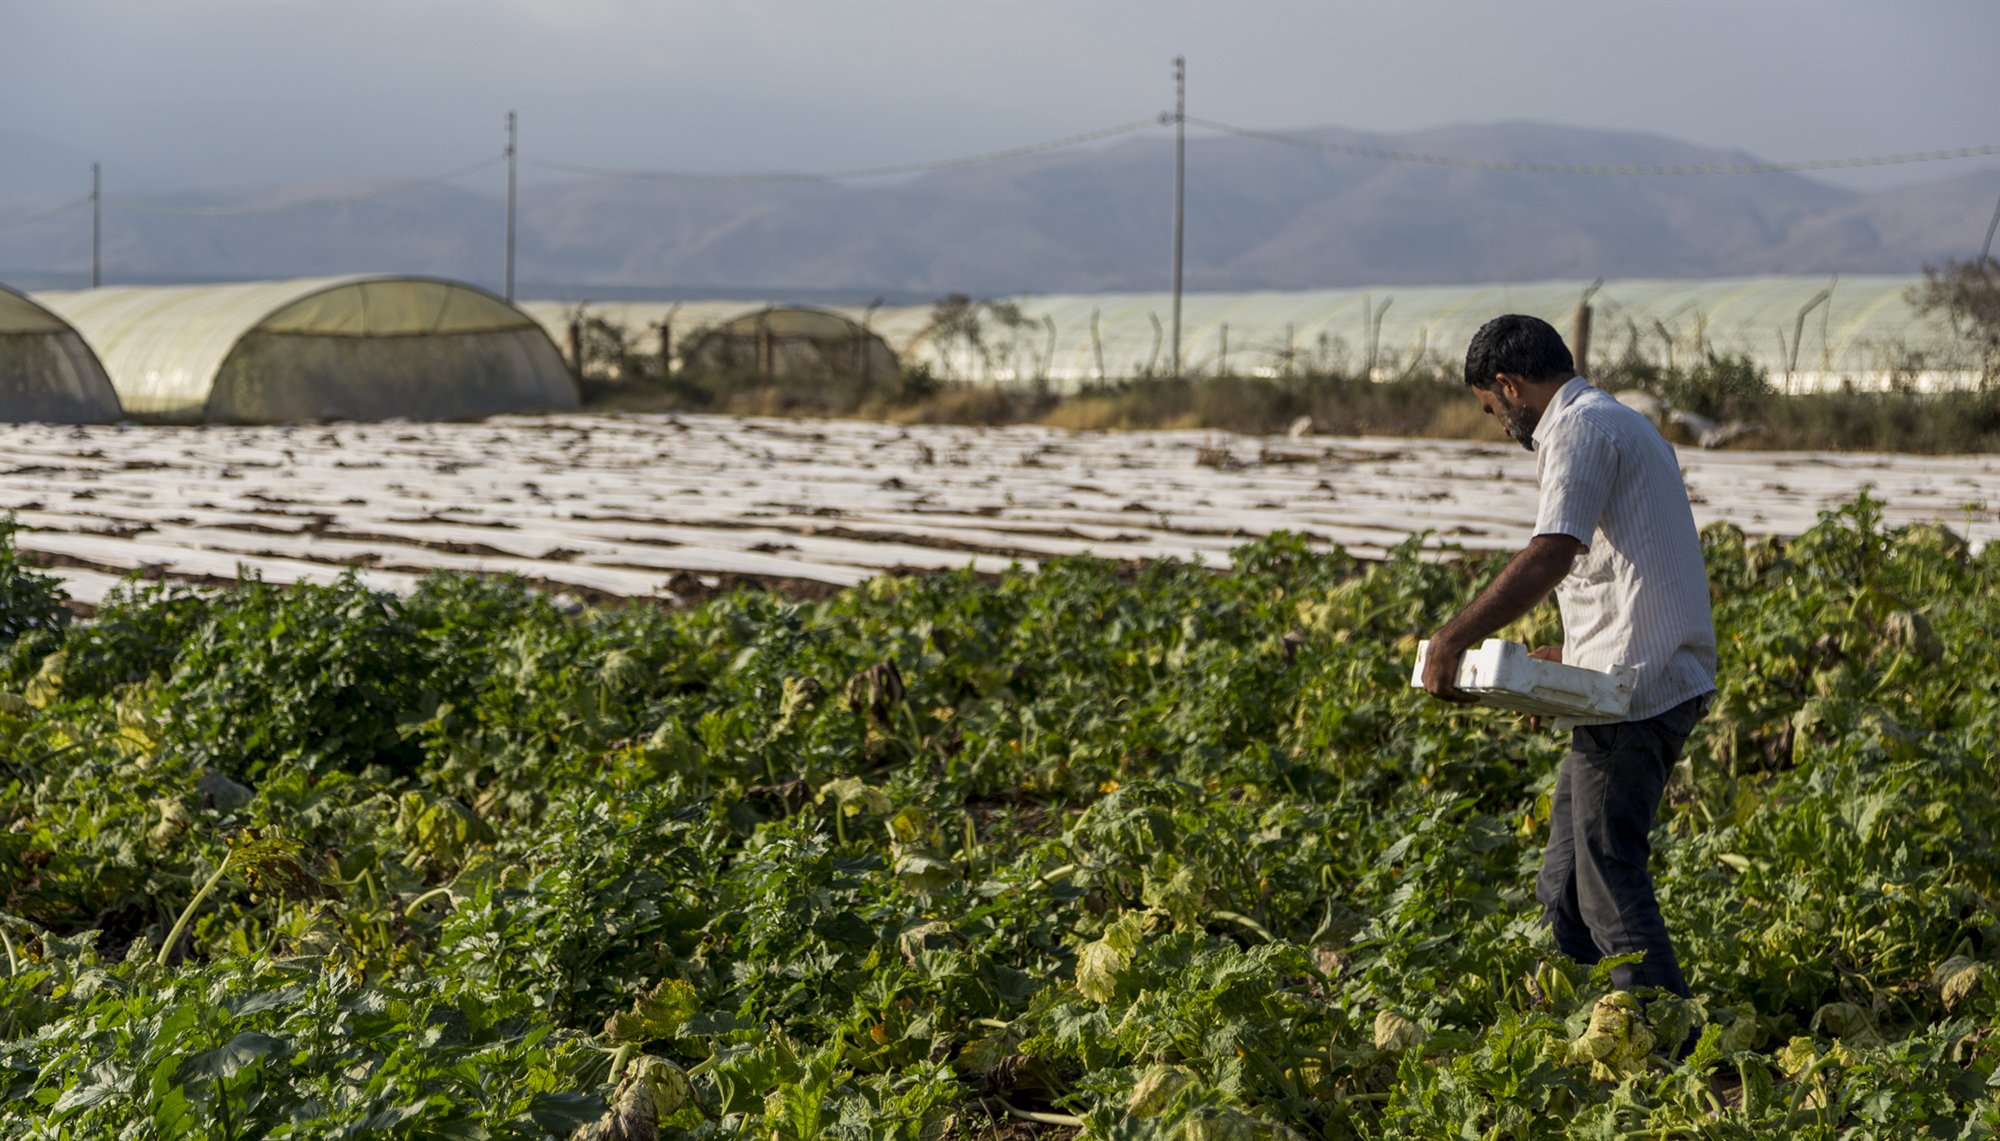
(1097, 346)
(1579, 337)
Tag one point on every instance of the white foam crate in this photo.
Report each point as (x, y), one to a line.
(1501, 674)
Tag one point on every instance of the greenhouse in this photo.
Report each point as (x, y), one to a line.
(740, 338)
(342, 348)
(1807, 333)
(47, 373)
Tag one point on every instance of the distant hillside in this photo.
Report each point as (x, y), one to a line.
(1260, 216)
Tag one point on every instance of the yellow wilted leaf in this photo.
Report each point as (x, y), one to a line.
(1156, 1089)
(659, 1013)
(1957, 979)
(1393, 1031)
(1618, 1040)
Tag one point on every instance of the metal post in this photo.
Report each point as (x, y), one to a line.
(1180, 189)
(1097, 346)
(1375, 338)
(510, 205)
(1986, 251)
(96, 224)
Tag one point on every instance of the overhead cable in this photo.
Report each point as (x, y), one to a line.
(143, 207)
(55, 212)
(855, 173)
(1594, 168)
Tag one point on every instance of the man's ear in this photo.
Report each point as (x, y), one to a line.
(1508, 385)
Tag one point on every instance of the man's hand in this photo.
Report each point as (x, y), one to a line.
(1526, 580)
(1547, 654)
(1441, 670)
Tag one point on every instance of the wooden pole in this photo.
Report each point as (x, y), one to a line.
(96, 225)
(1180, 196)
(511, 124)
(1579, 339)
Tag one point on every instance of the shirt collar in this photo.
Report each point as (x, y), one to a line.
(1562, 399)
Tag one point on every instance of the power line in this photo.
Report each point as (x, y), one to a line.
(55, 212)
(142, 207)
(858, 172)
(1590, 168)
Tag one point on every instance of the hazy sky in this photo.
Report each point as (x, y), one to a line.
(201, 91)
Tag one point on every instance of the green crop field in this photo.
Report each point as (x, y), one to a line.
(1136, 851)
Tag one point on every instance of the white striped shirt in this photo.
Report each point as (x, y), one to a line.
(1638, 594)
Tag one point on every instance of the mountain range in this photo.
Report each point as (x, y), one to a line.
(1260, 215)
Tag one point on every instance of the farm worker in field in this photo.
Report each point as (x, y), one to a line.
(1615, 539)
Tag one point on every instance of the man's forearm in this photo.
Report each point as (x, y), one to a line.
(1525, 581)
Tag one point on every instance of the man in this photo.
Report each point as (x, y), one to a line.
(1616, 540)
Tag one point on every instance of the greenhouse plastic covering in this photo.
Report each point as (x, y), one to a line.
(318, 348)
(1807, 332)
(689, 323)
(47, 373)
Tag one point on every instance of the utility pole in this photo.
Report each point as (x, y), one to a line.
(510, 205)
(1180, 189)
(96, 224)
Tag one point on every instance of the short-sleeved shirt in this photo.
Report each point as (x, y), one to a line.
(1638, 594)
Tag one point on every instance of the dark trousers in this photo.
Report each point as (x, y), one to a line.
(1595, 890)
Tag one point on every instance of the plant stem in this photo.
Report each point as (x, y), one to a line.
(410, 911)
(13, 961)
(1061, 873)
(1246, 922)
(187, 913)
(1805, 1085)
(1040, 1118)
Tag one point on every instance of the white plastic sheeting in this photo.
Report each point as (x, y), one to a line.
(629, 505)
(47, 373)
(1807, 333)
(363, 348)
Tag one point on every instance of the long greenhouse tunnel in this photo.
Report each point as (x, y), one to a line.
(1806, 333)
(342, 348)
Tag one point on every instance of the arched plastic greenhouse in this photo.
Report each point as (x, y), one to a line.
(343, 348)
(1807, 333)
(47, 373)
(731, 338)
(792, 344)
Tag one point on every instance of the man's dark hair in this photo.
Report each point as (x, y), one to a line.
(1524, 346)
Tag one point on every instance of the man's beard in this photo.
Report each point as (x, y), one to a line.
(1520, 421)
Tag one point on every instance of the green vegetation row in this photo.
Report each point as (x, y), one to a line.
(1136, 851)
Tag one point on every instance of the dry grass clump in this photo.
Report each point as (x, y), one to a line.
(1422, 405)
